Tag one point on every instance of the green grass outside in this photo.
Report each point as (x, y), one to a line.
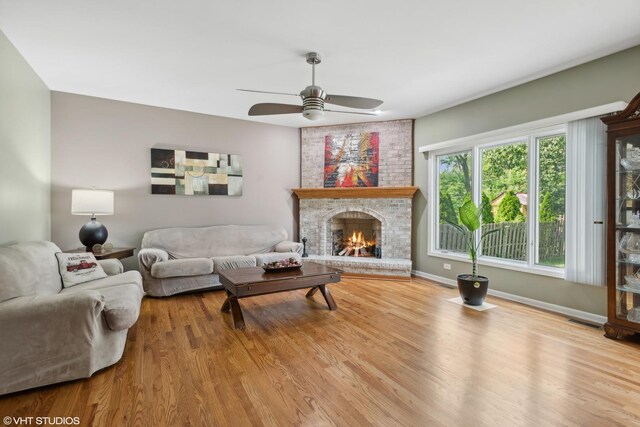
(557, 261)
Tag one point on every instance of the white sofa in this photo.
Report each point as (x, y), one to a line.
(175, 260)
(50, 334)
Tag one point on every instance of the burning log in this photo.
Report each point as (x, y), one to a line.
(356, 246)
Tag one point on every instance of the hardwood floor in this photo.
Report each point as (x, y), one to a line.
(393, 354)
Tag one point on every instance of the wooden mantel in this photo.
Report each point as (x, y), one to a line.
(355, 193)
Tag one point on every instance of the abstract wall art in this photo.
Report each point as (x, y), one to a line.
(195, 173)
(351, 160)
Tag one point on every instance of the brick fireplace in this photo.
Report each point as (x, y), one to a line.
(329, 217)
(387, 210)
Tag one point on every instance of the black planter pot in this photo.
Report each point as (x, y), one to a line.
(473, 290)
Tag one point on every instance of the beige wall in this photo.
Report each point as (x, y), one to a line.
(25, 144)
(610, 79)
(106, 144)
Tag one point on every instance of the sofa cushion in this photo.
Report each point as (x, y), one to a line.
(275, 256)
(182, 267)
(121, 305)
(29, 269)
(76, 268)
(227, 262)
(214, 241)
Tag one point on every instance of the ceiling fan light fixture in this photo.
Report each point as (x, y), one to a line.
(313, 114)
(313, 108)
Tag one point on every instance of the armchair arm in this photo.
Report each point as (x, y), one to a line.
(111, 266)
(149, 256)
(43, 313)
(289, 246)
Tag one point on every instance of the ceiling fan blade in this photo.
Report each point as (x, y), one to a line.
(264, 91)
(270, 108)
(352, 112)
(352, 101)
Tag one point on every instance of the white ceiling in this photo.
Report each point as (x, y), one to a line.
(419, 56)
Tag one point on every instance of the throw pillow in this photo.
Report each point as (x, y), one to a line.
(78, 268)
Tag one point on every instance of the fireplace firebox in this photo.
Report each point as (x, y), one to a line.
(355, 234)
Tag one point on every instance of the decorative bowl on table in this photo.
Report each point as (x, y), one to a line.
(284, 265)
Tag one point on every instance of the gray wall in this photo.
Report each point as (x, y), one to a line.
(610, 79)
(106, 144)
(25, 144)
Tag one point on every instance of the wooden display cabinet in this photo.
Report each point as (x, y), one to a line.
(623, 225)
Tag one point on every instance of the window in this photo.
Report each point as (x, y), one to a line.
(551, 186)
(521, 180)
(455, 185)
(504, 188)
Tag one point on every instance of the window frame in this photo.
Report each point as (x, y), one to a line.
(475, 146)
(535, 253)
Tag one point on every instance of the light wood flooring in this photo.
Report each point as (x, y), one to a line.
(393, 354)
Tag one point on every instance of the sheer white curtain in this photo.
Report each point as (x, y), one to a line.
(585, 202)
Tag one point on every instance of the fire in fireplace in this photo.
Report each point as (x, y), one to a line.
(355, 245)
(355, 234)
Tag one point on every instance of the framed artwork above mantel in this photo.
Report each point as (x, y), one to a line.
(351, 160)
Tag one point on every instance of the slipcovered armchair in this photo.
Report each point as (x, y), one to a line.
(175, 260)
(51, 334)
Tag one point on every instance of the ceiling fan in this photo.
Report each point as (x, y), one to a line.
(313, 99)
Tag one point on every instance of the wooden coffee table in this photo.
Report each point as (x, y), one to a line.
(252, 281)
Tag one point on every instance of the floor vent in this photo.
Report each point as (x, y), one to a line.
(585, 323)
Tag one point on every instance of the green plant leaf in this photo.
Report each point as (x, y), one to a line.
(485, 234)
(457, 227)
(479, 210)
(468, 216)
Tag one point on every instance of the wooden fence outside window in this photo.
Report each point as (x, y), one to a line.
(511, 241)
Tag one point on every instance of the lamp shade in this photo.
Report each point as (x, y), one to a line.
(91, 202)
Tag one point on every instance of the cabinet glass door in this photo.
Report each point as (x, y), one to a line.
(628, 228)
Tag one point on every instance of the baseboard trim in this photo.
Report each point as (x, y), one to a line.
(566, 311)
(439, 279)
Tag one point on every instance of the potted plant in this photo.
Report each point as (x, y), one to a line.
(472, 287)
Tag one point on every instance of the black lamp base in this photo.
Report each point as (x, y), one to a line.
(93, 233)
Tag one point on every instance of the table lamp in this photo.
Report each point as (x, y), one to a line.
(92, 202)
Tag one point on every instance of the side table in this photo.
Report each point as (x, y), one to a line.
(117, 253)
